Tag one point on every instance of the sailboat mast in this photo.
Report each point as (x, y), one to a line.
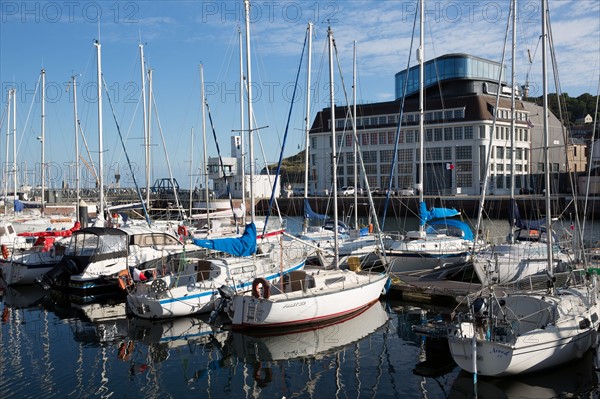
(249, 89)
(149, 138)
(14, 135)
(190, 199)
(145, 122)
(100, 148)
(43, 140)
(76, 124)
(421, 60)
(307, 119)
(242, 141)
(333, 151)
(204, 160)
(354, 138)
(513, 116)
(549, 228)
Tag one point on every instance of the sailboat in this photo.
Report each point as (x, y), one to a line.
(440, 240)
(309, 296)
(233, 266)
(525, 251)
(508, 333)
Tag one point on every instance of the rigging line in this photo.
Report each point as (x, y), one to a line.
(37, 85)
(212, 126)
(589, 171)
(399, 125)
(180, 209)
(493, 129)
(287, 126)
(126, 155)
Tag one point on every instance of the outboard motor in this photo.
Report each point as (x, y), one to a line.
(58, 275)
(227, 294)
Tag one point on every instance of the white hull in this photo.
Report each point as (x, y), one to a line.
(24, 267)
(195, 290)
(320, 296)
(541, 331)
(435, 250)
(510, 262)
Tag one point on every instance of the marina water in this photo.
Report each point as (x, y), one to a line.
(55, 347)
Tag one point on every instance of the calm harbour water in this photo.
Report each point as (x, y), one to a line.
(55, 348)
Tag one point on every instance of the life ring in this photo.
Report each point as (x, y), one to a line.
(182, 231)
(266, 290)
(124, 279)
(5, 251)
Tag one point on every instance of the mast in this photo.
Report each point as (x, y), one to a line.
(145, 123)
(100, 148)
(249, 88)
(242, 141)
(191, 169)
(6, 176)
(43, 138)
(148, 139)
(354, 139)
(512, 117)
(333, 151)
(14, 135)
(307, 121)
(421, 60)
(204, 144)
(546, 139)
(76, 123)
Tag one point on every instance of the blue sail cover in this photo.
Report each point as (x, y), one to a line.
(434, 213)
(237, 246)
(310, 214)
(515, 217)
(456, 228)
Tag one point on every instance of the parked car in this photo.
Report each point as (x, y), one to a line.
(347, 190)
(406, 191)
(375, 191)
(392, 192)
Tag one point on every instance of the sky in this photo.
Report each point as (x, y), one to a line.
(179, 36)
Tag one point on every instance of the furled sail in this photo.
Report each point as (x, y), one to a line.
(237, 246)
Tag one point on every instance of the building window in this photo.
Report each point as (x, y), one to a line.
(464, 152)
(437, 134)
(371, 170)
(383, 138)
(391, 137)
(482, 131)
(448, 133)
(458, 133)
(405, 155)
(313, 143)
(348, 140)
(386, 156)
(374, 138)
(410, 136)
(499, 152)
(468, 132)
(433, 154)
(365, 139)
(459, 113)
(370, 156)
(448, 114)
(448, 153)
(405, 168)
(385, 169)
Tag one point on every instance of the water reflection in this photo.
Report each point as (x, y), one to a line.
(54, 347)
(577, 379)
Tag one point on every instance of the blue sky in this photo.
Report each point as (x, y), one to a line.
(179, 35)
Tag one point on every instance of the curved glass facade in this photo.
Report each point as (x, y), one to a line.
(452, 66)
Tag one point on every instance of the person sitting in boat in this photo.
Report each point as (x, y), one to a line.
(141, 275)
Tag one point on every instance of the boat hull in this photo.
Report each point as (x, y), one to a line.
(336, 294)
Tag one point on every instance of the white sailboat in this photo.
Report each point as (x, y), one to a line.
(526, 331)
(308, 296)
(524, 253)
(236, 263)
(436, 243)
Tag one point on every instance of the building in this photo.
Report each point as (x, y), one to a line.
(459, 138)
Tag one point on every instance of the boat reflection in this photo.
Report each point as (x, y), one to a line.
(576, 379)
(23, 296)
(308, 341)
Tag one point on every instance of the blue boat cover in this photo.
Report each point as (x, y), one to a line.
(18, 206)
(237, 246)
(434, 213)
(514, 216)
(310, 214)
(455, 228)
